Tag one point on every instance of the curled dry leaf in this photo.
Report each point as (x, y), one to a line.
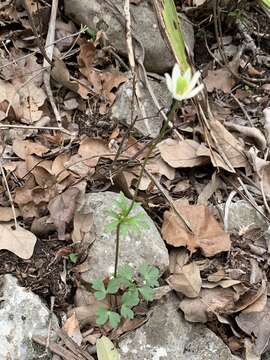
(83, 228)
(187, 281)
(72, 328)
(210, 301)
(228, 144)
(257, 325)
(249, 132)
(180, 154)
(207, 234)
(62, 209)
(19, 241)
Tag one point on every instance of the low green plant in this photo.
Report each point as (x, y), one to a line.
(129, 288)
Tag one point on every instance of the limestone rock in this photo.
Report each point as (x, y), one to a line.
(121, 109)
(168, 336)
(107, 15)
(22, 315)
(135, 249)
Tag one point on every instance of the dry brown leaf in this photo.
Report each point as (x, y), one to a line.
(92, 149)
(225, 283)
(188, 281)
(61, 74)
(160, 167)
(230, 146)
(78, 167)
(220, 79)
(181, 153)
(217, 276)
(72, 328)
(83, 228)
(207, 234)
(178, 258)
(19, 241)
(207, 304)
(23, 148)
(104, 84)
(58, 167)
(6, 213)
(257, 325)
(62, 209)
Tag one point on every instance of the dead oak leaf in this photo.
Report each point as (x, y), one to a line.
(19, 241)
(187, 281)
(207, 234)
(180, 154)
(92, 149)
(220, 79)
(23, 148)
(62, 209)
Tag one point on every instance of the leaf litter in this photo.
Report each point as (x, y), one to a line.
(221, 278)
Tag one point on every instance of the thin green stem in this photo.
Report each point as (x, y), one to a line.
(117, 245)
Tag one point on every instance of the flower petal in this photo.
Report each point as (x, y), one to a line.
(176, 73)
(187, 74)
(194, 92)
(194, 80)
(169, 83)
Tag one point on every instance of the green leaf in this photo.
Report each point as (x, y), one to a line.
(102, 316)
(113, 286)
(73, 257)
(147, 293)
(131, 298)
(126, 272)
(114, 319)
(150, 274)
(98, 285)
(126, 312)
(174, 32)
(106, 350)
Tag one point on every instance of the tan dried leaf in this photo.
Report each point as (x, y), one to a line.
(207, 304)
(207, 234)
(92, 149)
(83, 228)
(19, 241)
(23, 148)
(6, 213)
(220, 79)
(62, 209)
(180, 154)
(188, 281)
(72, 328)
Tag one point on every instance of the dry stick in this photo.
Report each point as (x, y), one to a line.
(9, 195)
(243, 109)
(32, 23)
(54, 128)
(46, 63)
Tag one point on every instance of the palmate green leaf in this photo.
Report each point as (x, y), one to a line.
(126, 312)
(114, 318)
(147, 293)
(106, 350)
(102, 316)
(167, 14)
(126, 272)
(131, 298)
(150, 274)
(98, 285)
(113, 286)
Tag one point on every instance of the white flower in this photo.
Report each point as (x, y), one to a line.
(183, 86)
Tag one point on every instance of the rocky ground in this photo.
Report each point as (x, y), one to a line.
(75, 130)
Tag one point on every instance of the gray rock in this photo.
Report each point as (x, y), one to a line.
(135, 249)
(108, 16)
(242, 214)
(121, 109)
(22, 315)
(168, 336)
